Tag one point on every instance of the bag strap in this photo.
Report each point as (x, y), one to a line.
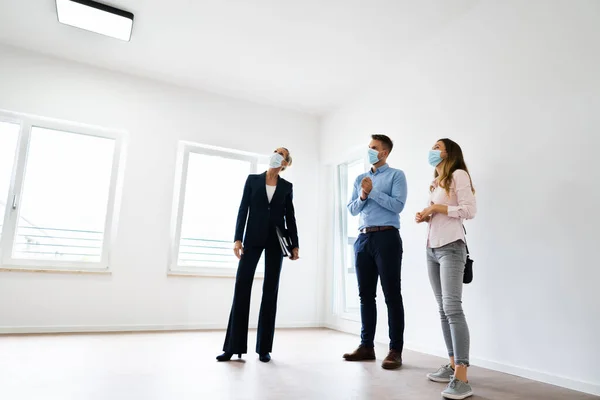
(465, 229)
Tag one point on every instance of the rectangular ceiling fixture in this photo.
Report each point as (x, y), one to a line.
(95, 17)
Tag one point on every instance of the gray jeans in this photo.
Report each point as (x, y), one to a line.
(446, 266)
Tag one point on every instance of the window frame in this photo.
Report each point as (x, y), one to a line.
(185, 148)
(15, 192)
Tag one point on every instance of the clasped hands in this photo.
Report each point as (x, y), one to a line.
(366, 186)
(425, 215)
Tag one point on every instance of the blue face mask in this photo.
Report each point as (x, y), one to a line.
(275, 160)
(435, 157)
(373, 156)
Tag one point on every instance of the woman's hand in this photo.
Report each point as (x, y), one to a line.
(238, 249)
(421, 218)
(427, 212)
(295, 254)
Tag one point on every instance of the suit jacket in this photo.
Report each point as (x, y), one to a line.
(265, 216)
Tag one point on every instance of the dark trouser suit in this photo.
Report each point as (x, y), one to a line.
(236, 340)
(380, 254)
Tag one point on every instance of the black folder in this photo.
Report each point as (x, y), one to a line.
(285, 242)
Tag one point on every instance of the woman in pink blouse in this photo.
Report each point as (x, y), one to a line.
(452, 200)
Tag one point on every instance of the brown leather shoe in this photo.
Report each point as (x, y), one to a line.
(361, 354)
(393, 360)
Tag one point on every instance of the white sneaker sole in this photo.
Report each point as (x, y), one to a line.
(457, 396)
(439, 380)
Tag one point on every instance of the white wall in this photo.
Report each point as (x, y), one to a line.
(517, 84)
(138, 294)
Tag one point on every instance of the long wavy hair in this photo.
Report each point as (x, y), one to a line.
(454, 161)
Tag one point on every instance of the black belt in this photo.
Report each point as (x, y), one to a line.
(376, 229)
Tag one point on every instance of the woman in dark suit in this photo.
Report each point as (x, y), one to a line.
(267, 199)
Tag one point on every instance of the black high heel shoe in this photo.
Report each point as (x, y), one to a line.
(227, 356)
(265, 357)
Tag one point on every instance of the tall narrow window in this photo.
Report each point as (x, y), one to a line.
(347, 234)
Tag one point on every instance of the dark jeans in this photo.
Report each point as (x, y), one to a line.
(236, 339)
(379, 254)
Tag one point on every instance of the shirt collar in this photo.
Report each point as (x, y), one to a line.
(379, 170)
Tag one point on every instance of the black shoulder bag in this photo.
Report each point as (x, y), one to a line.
(468, 275)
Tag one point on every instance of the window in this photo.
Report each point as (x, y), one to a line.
(206, 206)
(57, 188)
(9, 137)
(346, 234)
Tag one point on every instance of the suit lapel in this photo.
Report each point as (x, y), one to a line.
(277, 188)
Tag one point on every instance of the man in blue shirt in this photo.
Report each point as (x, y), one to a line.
(379, 196)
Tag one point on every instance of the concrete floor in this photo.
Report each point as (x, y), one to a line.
(307, 364)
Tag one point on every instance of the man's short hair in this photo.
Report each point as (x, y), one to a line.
(387, 142)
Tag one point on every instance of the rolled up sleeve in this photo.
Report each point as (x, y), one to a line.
(467, 205)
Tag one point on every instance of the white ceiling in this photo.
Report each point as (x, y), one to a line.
(310, 55)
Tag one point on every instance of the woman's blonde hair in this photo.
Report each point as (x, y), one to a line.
(454, 161)
(288, 159)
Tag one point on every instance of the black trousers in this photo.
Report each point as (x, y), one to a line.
(379, 254)
(236, 339)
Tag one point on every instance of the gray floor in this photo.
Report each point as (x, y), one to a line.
(307, 364)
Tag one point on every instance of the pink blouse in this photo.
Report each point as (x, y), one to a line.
(445, 229)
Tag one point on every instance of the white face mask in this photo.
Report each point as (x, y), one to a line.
(275, 160)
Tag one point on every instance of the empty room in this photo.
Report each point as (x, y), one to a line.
(299, 200)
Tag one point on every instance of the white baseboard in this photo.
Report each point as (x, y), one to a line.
(544, 377)
(556, 380)
(14, 330)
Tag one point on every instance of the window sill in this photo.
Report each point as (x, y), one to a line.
(209, 273)
(47, 270)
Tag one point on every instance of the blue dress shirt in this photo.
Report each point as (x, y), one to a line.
(386, 200)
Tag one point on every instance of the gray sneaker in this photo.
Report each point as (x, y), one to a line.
(457, 390)
(444, 374)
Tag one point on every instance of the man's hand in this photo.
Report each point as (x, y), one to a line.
(366, 185)
(295, 254)
(238, 249)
